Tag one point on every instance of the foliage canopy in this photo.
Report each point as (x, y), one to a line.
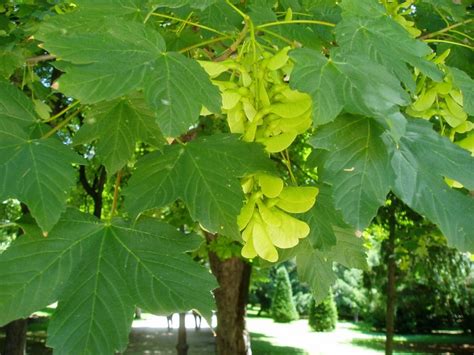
(281, 125)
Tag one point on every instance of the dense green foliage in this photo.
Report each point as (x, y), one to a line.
(283, 309)
(323, 316)
(425, 266)
(281, 125)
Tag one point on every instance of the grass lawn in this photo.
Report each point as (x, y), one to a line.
(270, 338)
(296, 337)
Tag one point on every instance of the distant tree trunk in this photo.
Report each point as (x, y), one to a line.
(15, 331)
(138, 313)
(233, 276)
(15, 341)
(182, 345)
(391, 292)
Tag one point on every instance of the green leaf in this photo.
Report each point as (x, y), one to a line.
(178, 90)
(204, 173)
(33, 262)
(466, 84)
(15, 107)
(114, 267)
(221, 16)
(338, 83)
(349, 250)
(110, 7)
(314, 74)
(421, 160)
(357, 166)
(9, 61)
(37, 172)
(119, 125)
(103, 58)
(315, 269)
(375, 35)
(322, 219)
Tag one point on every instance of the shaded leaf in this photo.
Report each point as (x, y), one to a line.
(315, 269)
(357, 165)
(204, 173)
(421, 162)
(114, 265)
(178, 106)
(104, 57)
(340, 83)
(119, 125)
(374, 34)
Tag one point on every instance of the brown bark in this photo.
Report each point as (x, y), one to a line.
(233, 276)
(391, 284)
(15, 341)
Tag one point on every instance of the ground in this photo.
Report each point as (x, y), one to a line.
(151, 336)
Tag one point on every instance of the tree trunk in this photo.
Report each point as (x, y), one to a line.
(233, 276)
(391, 292)
(15, 341)
(182, 345)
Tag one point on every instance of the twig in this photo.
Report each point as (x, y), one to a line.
(116, 193)
(446, 29)
(291, 22)
(61, 125)
(234, 46)
(449, 42)
(40, 58)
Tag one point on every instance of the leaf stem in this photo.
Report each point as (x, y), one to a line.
(204, 43)
(292, 22)
(236, 9)
(281, 38)
(118, 180)
(287, 162)
(59, 114)
(61, 125)
(462, 34)
(8, 225)
(446, 29)
(187, 22)
(449, 42)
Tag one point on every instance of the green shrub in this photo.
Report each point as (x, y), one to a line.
(283, 309)
(323, 317)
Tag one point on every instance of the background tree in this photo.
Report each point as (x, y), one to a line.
(323, 316)
(283, 309)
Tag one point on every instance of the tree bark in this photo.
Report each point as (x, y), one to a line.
(182, 345)
(391, 283)
(233, 276)
(15, 341)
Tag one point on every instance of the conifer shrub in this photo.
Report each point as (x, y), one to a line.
(283, 309)
(323, 316)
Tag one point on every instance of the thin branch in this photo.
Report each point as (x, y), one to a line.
(187, 22)
(61, 125)
(449, 42)
(85, 184)
(204, 43)
(40, 58)
(116, 194)
(292, 22)
(281, 38)
(234, 46)
(62, 112)
(8, 225)
(446, 29)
